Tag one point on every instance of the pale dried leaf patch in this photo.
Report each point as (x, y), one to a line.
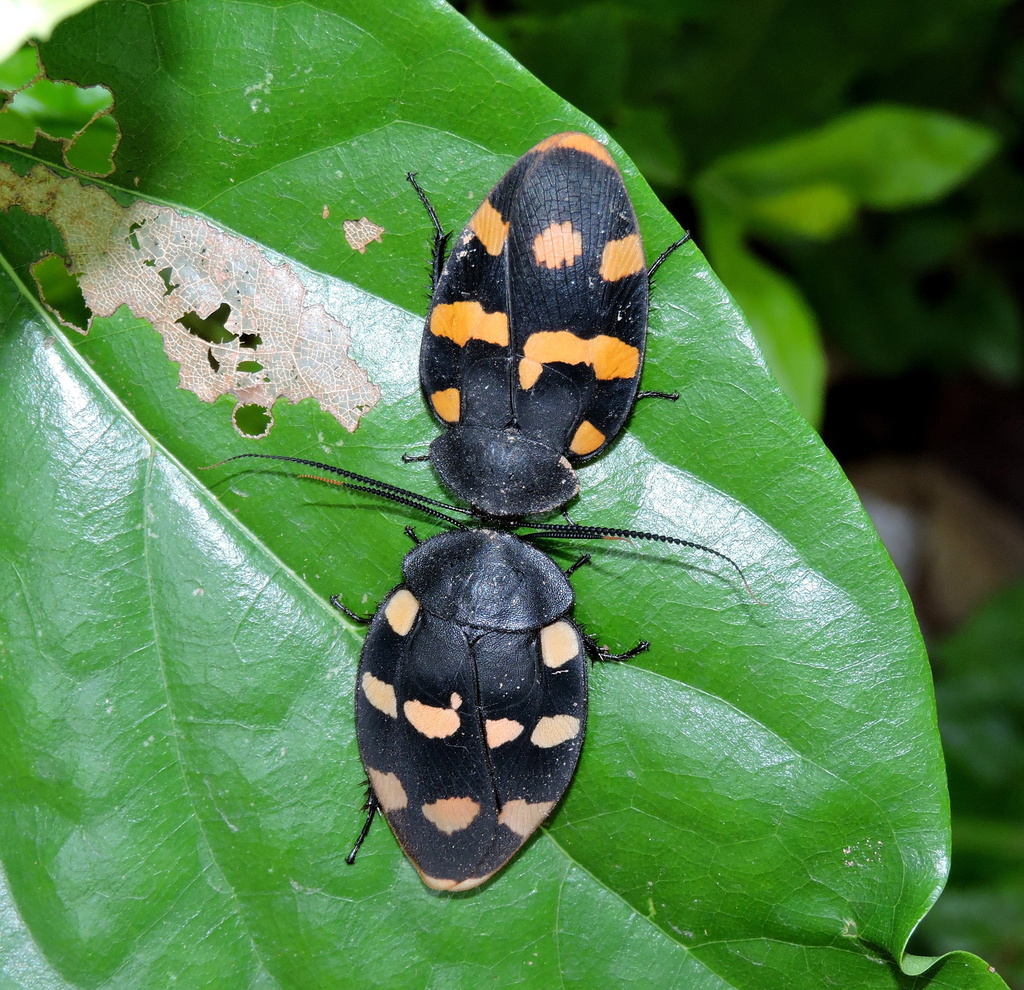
(359, 233)
(235, 323)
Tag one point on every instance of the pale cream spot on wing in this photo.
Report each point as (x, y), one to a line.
(502, 730)
(622, 258)
(558, 246)
(452, 814)
(436, 883)
(586, 439)
(552, 730)
(380, 694)
(523, 817)
(435, 723)
(388, 789)
(447, 404)
(558, 644)
(401, 611)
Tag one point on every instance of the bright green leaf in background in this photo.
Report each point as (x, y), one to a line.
(761, 801)
(883, 157)
(811, 186)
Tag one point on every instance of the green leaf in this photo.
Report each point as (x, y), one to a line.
(884, 157)
(761, 800)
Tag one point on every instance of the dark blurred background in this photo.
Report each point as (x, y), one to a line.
(854, 173)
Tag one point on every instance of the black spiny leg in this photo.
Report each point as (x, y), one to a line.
(363, 620)
(411, 533)
(672, 396)
(580, 561)
(440, 237)
(603, 654)
(413, 458)
(371, 807)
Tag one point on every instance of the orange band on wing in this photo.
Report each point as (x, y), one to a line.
(489, 227)
(465, 321)
(608, 356)
(581, 142)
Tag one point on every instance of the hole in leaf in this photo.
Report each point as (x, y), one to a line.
(214, 363)
(93, 149)
(78, 117)
(19, 69)
(165, 274)
(252, 340)
(250, 366)
(212, 328)
(132, 239)
(252, 420)
(61, 292)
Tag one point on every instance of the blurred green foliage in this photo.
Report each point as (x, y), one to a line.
(980, 695)
(840, 163)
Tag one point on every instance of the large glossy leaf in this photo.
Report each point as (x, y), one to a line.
(761, 800)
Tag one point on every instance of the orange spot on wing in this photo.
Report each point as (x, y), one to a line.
(438, 883)
(586, 439)
(558, 246)
(380, 694)
(529, 372)
(465, 321)
(581, 142)
(447, 404)
(489, 227)
(553, 730)
(401, 611)
(558, 642)
(389, 790)
(621, 258)
(502, 730)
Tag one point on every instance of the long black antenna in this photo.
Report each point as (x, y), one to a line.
(371, 485)
(432, 506)
(577, 531)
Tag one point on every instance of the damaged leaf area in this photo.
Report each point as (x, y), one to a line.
(235, 323)
(78, 118)
(359, 233)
